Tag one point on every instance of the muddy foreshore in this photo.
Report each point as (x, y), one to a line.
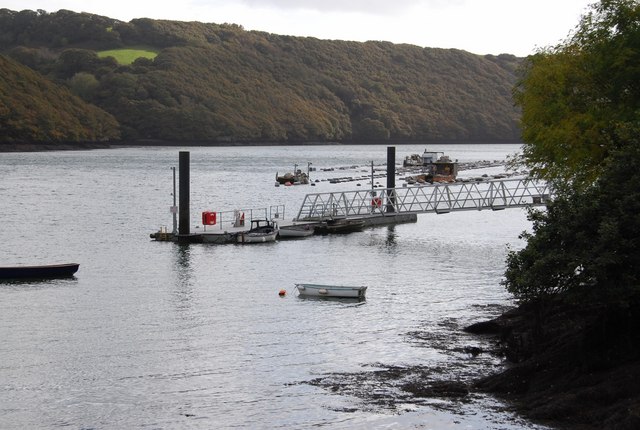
(561, 366)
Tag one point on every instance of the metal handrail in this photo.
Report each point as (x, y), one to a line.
(227, 219)
(439, 198)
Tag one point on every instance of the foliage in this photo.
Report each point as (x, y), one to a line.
(581, 100)
(32, 109)
(581, 128)
(587, 244)
(84, 85)
(128, 56)
(220, 83)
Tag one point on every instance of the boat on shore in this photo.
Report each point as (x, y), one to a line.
(50, 271)
(262, 230)
(338, 291)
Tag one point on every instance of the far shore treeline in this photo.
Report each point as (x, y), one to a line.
(68, 77)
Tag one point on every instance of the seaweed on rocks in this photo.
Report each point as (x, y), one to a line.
(572, 366)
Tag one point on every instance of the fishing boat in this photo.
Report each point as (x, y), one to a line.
(436, 167)
(50, 271)
(318, 290)
(298, 177)
(262, 230)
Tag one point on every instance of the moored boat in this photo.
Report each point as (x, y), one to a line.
(340, 226)
(49, 271)
(262, 230)
(296, 231)
(319, 290)
(436, 167)
(298, 177)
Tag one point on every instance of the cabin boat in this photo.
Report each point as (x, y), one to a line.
(341, 291)
(436, 167)
(50, 271)
(262, 230)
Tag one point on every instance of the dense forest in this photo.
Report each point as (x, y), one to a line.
(220, 83)
(33, 109)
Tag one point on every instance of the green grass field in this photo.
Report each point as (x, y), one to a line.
(128, 55)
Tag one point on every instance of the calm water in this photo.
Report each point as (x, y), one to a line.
(155, 335)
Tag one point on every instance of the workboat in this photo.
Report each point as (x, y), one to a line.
(298, 177)
(262, 230)
(436, 167)
(318, 290)
(50, 271)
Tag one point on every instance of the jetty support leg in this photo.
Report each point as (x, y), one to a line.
(185, 221)
(391, 179)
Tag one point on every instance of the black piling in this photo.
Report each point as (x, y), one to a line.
(184, 216)
(391, 178)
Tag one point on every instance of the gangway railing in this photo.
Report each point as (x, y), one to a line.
(436, 198)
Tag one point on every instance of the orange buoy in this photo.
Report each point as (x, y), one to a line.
(282, 293)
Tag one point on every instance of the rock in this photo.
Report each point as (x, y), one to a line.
(436, 389)
(574, 366)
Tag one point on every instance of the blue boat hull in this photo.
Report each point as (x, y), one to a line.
(39, 272)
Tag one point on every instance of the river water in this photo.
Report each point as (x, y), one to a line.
(158, 335)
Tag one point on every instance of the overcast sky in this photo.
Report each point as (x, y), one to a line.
(480, 26)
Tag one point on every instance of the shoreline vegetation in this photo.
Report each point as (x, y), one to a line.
(569, 366)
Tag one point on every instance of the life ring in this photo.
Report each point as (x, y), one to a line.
(376, 202)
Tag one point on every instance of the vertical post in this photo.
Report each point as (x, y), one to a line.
(183, 228)
(373, 193)
(391, 178)
(174, 208)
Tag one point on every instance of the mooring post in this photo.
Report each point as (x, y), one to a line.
(391, 178)
(185, 221)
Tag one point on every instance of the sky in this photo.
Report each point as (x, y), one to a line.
(517, 27)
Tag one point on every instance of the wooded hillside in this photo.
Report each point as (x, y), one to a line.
(219, 83)
(33, 109)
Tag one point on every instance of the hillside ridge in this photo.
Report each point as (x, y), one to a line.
(218, 83)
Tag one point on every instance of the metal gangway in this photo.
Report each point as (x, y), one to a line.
(431, 198)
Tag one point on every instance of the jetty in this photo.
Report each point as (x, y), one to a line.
(366, 208)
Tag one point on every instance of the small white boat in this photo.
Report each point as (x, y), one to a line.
(261, 231)
(317, 290)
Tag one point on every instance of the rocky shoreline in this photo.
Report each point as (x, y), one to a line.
(571, 367)
(560, 366)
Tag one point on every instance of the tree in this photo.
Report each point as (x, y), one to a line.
(586, 245)
(84, 85)
(581, 124)
(581, 99)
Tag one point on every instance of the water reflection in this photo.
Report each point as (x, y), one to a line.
(38, 283)
(183, 289)
(390, 241)
(182, 255)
